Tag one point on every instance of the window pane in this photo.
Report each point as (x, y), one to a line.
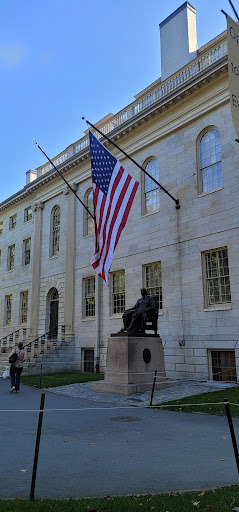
(223, 365)
(90, 226)
(217, 277)
(27, 251)
(118, 292)
(11, 257)
(89, 360)
(24, 306)
(27, 214)
(153, 282)
(13, 221)
(55, 231)
(210, 160)
(89, 297)
(151, 190)
(8, 305)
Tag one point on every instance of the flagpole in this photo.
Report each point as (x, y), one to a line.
(233, 8)
(65, 181)
(132, 160)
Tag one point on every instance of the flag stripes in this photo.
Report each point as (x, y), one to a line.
(111, 208)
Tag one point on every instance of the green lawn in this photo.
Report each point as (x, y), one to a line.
(219, 500)
(205, 402)
(60, 379)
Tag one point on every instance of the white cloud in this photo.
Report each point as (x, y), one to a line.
(11, 54)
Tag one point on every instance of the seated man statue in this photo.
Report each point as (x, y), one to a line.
(135, 319)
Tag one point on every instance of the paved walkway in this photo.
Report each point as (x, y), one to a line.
(89, 447)
(181, 389)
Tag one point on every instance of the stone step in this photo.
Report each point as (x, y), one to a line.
(58, 358)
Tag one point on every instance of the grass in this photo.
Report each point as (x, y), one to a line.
(60, 379)
(205, 402)
(225, 499)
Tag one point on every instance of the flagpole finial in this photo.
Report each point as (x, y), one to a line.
(83, 118)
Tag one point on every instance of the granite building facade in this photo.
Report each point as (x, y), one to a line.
(180, 129)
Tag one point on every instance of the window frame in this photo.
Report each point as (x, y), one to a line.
(25, 251)
(23, 308)
(27, 215)
(113, 294)
(206, 287)
(90, 361)
(8, 302)
(158, 294)
(13, 222)
(91, 307)
(88, 221)
(221, 368)
(1, 227)
(145, 210)
(55, 232)
(199, 166)
(11, 258)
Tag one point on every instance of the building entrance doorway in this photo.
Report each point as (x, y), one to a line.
(54, 306)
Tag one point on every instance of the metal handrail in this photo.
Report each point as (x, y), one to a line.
(11, 335)
(48, 335)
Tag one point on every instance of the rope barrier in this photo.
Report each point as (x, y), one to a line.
(115, 408)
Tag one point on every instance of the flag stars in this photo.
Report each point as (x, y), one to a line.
(102, 163)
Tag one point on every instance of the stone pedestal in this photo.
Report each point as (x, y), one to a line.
(131, 363)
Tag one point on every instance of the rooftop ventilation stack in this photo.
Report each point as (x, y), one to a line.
(178, 38)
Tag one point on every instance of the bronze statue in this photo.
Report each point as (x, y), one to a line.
(135, 319)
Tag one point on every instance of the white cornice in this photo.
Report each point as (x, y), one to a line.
(162, 106)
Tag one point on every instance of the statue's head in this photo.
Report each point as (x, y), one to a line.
(143, 292)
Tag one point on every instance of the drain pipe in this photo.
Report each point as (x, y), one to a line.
(98, 320)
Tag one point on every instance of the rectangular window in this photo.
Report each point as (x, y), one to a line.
(1, 227)
(8, 309)
(11, 257)
(23, 307)
(26, 251)
(28, 214)
(13, 221)
(55, 231)
(88, 360)
(118, 292)
(151, 189)
(153, 281)
(216, 278)
(223, 365)
(0, 257)
(89, 297)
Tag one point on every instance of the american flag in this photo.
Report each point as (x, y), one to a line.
(113, 190)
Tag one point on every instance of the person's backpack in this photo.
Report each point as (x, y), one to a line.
(12, 359)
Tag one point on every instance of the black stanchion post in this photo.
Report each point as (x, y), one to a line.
(41, 376)
(234, 442)
(38, 438)
(152, 393)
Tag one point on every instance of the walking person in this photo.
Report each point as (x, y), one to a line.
(16, 367)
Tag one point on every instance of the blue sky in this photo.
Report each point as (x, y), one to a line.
(61, 60)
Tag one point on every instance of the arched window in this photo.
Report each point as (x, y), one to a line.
(55, 230)
(151, 190)
(89, 227)
(210, 161)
